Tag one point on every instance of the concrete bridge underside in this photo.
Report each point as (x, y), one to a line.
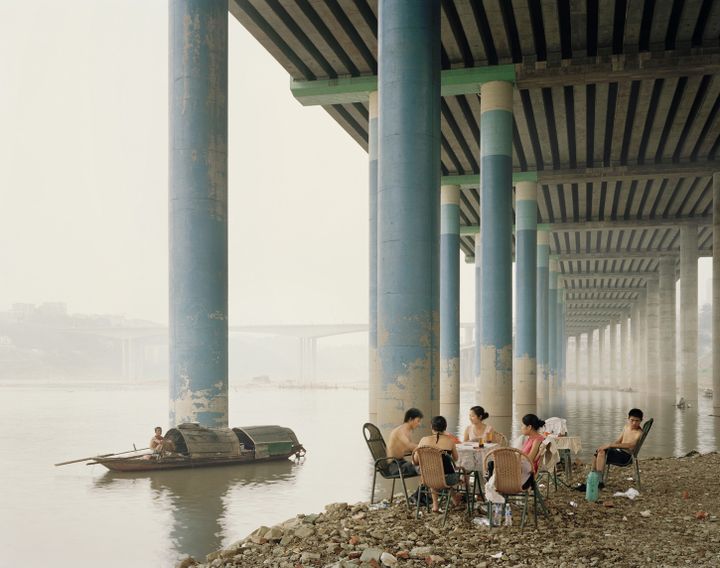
(610, 118)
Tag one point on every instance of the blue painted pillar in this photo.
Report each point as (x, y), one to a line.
(525, 363)
(198, 256)
(543, 285)
(449, 299)
(373, 376)
(408, 208)
(478, 314)
(496, 103)
(562, 340)
(552, 328)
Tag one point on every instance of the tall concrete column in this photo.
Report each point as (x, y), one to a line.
(373, 371)
(602, 359)
(623, 370)
(612, 367)
(688, 380)
(578, 380)
(667, 327)
(541, 334)
(716, 293)
(561, 342)
(641, 380)
(525, 363)
(652, 335)
(449, 299)
(591, 375)
(198, 255)
(478, 312)
(496, 103)
(408, 208)
(552, 327)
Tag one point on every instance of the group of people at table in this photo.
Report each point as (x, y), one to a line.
(401, 446)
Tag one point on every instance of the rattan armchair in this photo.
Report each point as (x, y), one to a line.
(507, 471)
(432, 478)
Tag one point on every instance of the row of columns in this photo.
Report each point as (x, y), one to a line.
(406, 348)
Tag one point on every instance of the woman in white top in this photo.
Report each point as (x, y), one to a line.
(478, 431)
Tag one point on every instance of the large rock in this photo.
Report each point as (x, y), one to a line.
(370, 554)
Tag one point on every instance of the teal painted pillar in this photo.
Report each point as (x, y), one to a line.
(562, 342)
(408, 208)
(496, 103)
(525, 355)
(716, 294)
(198, 255)
(543, 290)
(552, 328)
(449, 300)
(373, 375)
(478, 314)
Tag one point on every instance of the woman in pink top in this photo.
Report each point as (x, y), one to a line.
(531, 426)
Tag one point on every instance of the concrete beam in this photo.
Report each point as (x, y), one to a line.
(346, 90)
(623, 255)
(626, 67)
(628, 173)
(605, 275)
(629, 224)
(600, 174)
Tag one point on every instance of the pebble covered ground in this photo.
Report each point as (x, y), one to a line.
(673, 522)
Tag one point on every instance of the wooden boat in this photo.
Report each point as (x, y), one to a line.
(199, 446)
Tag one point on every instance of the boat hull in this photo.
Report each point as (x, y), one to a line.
(165, 463)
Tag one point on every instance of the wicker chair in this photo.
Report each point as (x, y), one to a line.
(500, 439)
(432, 477)
(508, 480)
(634, 460)
(381, 462)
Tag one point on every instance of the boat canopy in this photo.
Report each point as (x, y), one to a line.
(198, 441)
(268, 441)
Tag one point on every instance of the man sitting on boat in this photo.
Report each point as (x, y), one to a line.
(160, 445)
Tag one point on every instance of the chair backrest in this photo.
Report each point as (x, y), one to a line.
(507, 469)
(432, 471)
(646, 429)
(376, 444)
(500, 439)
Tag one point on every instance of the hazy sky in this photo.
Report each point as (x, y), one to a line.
(83, 174)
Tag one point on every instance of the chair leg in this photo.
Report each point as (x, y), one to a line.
(372, 494)
(407, 498)
(419, 498)
(392, 490)
(637, 473)
(448, 494)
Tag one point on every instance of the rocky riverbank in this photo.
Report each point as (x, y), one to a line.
(673, 522)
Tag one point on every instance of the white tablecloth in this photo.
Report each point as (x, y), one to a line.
(571, 443)
(471, 458)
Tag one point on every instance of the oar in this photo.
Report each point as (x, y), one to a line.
(101, 456)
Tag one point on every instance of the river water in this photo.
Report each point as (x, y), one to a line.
(86, 516)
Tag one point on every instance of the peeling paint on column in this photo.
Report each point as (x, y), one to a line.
(543, 290)
(198, 42)
(449, 296)
(525, 365)
(408, 208)
(496, 103)
(373, 373)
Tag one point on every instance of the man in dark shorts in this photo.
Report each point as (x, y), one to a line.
(619, 452)
(400, 443)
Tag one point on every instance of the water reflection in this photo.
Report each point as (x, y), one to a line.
(198, 499)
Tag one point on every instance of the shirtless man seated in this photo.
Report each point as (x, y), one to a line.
(619, 452)
(400, 443)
